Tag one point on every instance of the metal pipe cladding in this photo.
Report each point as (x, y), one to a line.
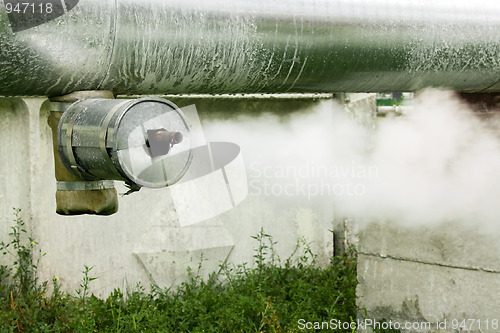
(249, 46)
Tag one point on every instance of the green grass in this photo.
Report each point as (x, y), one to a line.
(268, 295)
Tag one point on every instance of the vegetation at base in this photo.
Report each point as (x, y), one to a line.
(269, 296)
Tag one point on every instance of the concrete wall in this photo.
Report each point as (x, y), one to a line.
(144, 242)
(430, 275)
(422, 274)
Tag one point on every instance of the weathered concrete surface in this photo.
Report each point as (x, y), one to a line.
(363, 106)
(15, 178)
(446, 245)
(431, 275)
(415, 292)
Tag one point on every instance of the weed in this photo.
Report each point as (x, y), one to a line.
(84, 285)
(267, 295)
(25, 265)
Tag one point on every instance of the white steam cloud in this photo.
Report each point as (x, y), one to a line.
(439, 163)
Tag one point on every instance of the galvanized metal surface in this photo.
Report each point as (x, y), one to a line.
(100, 139)
(85, 185)
(248, 46)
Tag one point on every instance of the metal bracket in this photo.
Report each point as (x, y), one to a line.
(85, 185)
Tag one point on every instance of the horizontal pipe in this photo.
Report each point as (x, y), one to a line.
(253, 46)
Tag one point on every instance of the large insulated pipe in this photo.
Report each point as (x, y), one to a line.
(249, 46)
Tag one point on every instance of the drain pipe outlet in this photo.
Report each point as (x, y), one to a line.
(75, 195)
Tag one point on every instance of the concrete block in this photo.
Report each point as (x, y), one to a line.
(407, 291)
(447, 245)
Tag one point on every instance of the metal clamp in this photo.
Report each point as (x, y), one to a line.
(85, 185)
(103, 136)
(69, 147)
